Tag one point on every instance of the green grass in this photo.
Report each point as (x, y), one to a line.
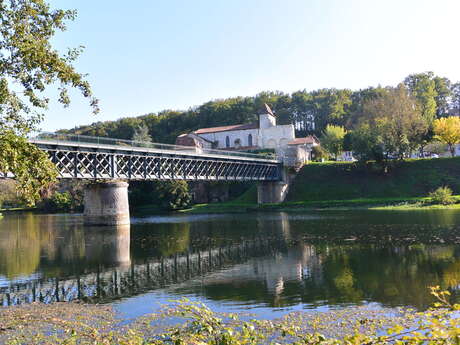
(353, 181)
(414, 203)
(349, 185)
(17, 209)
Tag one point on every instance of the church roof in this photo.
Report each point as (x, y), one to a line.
(252, 125)
(302, 141)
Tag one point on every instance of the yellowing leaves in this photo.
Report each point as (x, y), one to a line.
(447, 130)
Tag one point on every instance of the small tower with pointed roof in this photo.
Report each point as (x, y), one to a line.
(266, 117)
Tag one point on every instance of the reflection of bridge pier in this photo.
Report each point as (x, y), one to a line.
(108, 246)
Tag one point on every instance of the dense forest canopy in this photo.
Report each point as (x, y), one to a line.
(309, 111)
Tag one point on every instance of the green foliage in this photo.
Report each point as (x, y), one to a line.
(423, 87)
(9, 196)
(442, 195)
(195, 323)
(28, 65)
(319, 153)
(174, 195)
(142, 135)
(58, 202)
(390, 126)
(355, 180)
(168, 195)
(32, 169)
(332, 139)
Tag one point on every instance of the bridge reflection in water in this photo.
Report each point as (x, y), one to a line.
(97, 263)
(259, 260)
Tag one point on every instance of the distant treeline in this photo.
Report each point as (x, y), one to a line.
(309, 111)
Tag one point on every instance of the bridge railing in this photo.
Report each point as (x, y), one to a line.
(123, 143)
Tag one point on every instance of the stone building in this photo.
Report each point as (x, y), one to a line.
(263, 134)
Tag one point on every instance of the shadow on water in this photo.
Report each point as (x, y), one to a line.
(270, 260)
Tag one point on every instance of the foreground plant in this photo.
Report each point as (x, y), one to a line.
(188, 322)
(442, 195)
(29, 65)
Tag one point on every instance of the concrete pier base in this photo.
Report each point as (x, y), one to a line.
(271, 192)
(106, 203)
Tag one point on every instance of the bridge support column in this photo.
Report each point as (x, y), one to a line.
(106, 203)
(269, 192)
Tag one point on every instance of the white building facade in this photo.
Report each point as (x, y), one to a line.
(264, 134)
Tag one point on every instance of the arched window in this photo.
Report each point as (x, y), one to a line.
(227, 141)
(250, 140)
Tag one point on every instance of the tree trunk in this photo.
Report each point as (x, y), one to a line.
(452, 150)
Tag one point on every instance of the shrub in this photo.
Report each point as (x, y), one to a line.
(442, 195)
(319, 154)
(174, 195)
(58, 202)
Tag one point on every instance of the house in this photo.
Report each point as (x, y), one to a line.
(263, 134)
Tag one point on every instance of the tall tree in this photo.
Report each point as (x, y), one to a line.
(141, 134)
(28, 65)
(443, 89)
(432, 92)
(423, 87)
(455, 101)
(332, 139)
(447, 131)
(392, 122)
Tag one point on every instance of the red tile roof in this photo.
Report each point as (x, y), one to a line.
(302, 141)
(253, 125)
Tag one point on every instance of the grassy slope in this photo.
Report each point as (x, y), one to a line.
(345, 181)
(345, 185)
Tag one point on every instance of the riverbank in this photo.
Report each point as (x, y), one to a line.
(415, 203)
(353, 185)
(188, 322)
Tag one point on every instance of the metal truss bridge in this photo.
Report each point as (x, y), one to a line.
(84, 157)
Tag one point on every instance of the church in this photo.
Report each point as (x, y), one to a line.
(264, 134)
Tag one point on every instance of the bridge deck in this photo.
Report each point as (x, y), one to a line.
(104, 158)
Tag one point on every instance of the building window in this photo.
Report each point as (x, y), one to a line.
(237, 143)
(227, 141)
(250, 140)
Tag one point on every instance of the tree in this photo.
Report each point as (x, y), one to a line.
(423, 88)
(455, 102)
(28, 65)
(390, 126)
(332, 139)
(447, 130)
(142, 134)
(173, 195)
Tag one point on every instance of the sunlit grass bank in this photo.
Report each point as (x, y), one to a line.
(421, 203)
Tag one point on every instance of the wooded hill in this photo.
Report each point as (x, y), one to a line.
(309, 111)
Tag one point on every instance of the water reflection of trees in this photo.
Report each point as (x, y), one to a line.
(57, 246)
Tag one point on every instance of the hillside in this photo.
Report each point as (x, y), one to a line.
(345, 180)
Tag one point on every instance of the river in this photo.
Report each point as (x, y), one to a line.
(265, 263)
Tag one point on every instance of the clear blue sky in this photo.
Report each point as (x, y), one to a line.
(145, 56)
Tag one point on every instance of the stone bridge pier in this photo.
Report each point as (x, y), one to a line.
(270, 192)
(106, 203)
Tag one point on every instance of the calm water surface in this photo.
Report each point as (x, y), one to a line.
(268, 263)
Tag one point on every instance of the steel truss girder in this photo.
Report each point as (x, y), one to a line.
(118, 165)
